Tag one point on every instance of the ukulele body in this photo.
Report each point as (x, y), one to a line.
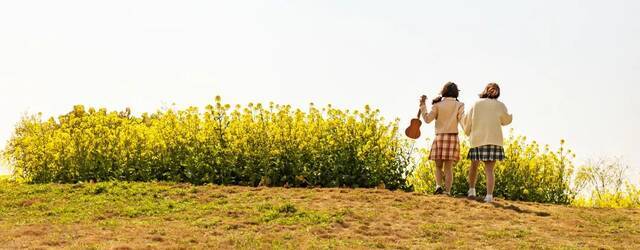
(413, 131)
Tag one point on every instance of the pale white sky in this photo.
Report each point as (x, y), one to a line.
(568, 69)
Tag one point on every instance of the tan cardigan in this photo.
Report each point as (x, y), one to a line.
(483, 123)
(447, 113)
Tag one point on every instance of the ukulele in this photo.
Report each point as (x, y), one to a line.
(413, 131)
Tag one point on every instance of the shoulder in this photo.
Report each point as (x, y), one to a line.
(501, 104)
(479, 102)
(491, 102)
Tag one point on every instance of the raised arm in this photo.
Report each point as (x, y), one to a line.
(428, 117)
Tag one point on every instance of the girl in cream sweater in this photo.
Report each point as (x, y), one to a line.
(483, 124)
(447, 111)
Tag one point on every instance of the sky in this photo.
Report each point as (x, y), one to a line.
(567, 69)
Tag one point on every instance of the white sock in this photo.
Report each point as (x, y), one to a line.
(438, 186)
(472, 192)
(488, 198)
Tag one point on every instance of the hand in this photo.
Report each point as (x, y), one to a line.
(423, 99)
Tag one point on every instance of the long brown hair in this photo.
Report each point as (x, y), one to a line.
(491, 91)
(449, 89)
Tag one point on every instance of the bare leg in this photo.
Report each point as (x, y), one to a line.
(448, 175)
(473, 173)
(439, 173)
(488, 169)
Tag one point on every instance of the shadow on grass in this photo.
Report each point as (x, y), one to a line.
(510, 207)
(520, 210)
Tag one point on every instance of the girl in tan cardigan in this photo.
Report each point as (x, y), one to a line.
(447, 111)
(483, 124)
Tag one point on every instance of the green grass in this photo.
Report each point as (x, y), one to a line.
(169, 215)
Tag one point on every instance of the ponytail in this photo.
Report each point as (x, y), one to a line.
(436, 100)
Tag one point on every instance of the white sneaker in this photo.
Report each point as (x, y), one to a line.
(471, 193)
(488, 198)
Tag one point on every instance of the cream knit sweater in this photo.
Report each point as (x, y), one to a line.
(447, 113)
(483, 123)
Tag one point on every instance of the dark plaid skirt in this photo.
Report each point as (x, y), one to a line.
(486, 153)
(446, 147)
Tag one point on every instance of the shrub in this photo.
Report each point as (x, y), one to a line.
(251, 145)
(603, 184)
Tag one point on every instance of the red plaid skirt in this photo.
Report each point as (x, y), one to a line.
(446, 147)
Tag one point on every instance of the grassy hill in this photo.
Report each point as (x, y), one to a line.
(162, 215)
